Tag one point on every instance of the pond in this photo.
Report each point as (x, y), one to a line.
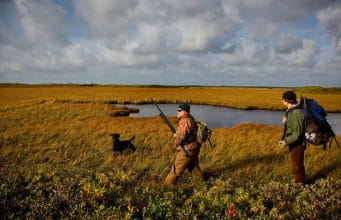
(219, 117)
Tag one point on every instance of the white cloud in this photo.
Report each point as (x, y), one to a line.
(41, 21)
(330, 20)
(303, 57)
(151, 38)
(106, 18)
(207, 31)
(217, 42)
(190, 26)
(247, 53)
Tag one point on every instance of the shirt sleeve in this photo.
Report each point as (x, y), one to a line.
(182, 132)
(295, 127)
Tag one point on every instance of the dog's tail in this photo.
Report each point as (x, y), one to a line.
(132, 138)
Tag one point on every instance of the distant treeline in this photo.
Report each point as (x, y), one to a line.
(298, 89)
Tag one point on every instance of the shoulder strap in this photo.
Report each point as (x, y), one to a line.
(305, 106)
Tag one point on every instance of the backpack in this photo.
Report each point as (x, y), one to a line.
(317, 129)
(203, 132)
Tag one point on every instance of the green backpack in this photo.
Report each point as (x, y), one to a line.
(203, 132)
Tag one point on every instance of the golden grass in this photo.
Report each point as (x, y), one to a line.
(69, 127)
(55, 143)
(236, 97)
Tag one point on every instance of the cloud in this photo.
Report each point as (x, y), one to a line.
(151, 39)
(281, 12)
(147, 41)
(148, 25)
(106, 18)
(5, 37)
(288, 43)
(330, 20)
(8, 20)
(202, 26)
(246, 53)
(304, 56)
(266, 18)
(41, 22)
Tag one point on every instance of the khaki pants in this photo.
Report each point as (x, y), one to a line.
(182, 162)
(297, 163)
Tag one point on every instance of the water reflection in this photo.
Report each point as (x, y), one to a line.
(219, 117)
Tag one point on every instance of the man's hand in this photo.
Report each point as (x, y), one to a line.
(282, 144)
(284, 119)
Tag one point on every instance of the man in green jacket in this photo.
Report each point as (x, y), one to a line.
(293, 137)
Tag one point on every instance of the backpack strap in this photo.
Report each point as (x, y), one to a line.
(305, 106)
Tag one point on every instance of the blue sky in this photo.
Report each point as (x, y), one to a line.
(217, 42)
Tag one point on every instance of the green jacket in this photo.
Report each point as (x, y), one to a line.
(295, 127)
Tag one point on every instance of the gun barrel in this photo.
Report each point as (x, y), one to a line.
(165, 119)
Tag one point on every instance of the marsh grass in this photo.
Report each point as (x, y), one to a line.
(56, 160)
(235, 97)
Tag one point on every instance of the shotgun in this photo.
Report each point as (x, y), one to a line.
(165, 119)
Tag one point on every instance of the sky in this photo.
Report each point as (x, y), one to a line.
(171, 42)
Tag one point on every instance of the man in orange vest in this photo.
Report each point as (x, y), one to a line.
(187, 146)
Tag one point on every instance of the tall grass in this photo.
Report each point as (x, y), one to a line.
(57, 162)
(235, 97)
